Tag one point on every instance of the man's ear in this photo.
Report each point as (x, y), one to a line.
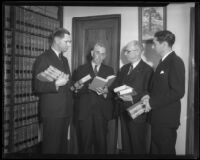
(56, 39)
(92, 53)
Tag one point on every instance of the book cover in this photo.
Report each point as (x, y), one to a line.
(136, 109)
(125, 89)
(49, 75)
(101, 82)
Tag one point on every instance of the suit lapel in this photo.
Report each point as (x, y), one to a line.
(56, 61)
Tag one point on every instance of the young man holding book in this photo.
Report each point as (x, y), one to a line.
(164, 100)
(52, 83)
(94, 106)
(134, 76)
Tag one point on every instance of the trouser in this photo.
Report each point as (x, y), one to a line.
(163, 140)
(134, 136)
(93, 131)
(55, 135)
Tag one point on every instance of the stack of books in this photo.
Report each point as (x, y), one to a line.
(80, 82)
(49, 75)
(99, 82)
(125, 90)
(136, 109)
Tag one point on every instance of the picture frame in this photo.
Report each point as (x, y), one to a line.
(151, 20)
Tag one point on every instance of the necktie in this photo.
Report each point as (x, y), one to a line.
(130, 69)
(95, 70)
(60, 57)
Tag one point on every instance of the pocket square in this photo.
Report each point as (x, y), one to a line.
(162, 72)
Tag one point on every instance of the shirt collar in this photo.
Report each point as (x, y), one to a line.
(166, 55)
(57, 53)
(136, 63)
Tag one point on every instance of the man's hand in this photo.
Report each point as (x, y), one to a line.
(145, 100)
(126, 98)
(78, 85)
(62, 80)
(103, 91)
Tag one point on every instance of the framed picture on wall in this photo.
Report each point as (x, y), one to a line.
(151, 20)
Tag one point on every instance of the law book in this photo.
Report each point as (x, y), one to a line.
(136, 110)
(99, 82)
(125, 90)
(49, 75)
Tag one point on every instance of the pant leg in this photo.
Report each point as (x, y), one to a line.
(54, 135)
(126, 145)
(137, 133)
(101, 129)
(86, 135)
(163, 140)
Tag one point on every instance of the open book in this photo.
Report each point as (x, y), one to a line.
(136, 109)
(49, 75)
(125, 89)
(101, 82)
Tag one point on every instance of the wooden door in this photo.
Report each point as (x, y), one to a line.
(89, 30)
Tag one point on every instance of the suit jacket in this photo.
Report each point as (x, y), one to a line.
(168, 87)
(89, 101)
(53, 103)
(139, 79)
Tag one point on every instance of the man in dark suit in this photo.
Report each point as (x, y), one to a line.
(55, 97)
(94, 107)
(168, 87)
(136, 74)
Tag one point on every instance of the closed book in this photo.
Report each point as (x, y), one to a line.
(85, 79)
(99, 82)
(49, 75)
(136, 109)
(124, 90)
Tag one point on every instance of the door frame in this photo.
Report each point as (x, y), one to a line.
(75, 20)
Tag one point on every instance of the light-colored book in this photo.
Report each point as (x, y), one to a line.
(50, 74)
(136, 110)
(125, 89)
(85, 79)
(99, 82)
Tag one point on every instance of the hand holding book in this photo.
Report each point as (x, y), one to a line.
(50, 74)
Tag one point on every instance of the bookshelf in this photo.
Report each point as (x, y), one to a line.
(26, 31)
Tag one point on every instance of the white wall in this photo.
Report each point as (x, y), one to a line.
(178, 21)
(129, 20)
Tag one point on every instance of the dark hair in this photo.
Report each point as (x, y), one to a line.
(59, 32)
(165, 35)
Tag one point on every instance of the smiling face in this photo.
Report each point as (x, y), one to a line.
(98, 54)
(63, 43)
(132, 52)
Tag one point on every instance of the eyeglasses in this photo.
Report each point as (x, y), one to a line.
(129, 51)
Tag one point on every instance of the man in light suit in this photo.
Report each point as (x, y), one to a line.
(55, 102)
(94, 108)
(136, 74)
(167, 89)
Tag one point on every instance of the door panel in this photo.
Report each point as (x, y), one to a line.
(89, 30)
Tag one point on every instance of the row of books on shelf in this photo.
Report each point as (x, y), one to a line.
(7, 17)
(7, 93)
(25, 114)
(51, 11)
(7, 45)
(34, 23)
(7, 67)
(23, 92)
(26, 136)
(6, 140)
(23, 67)
(30, 45)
